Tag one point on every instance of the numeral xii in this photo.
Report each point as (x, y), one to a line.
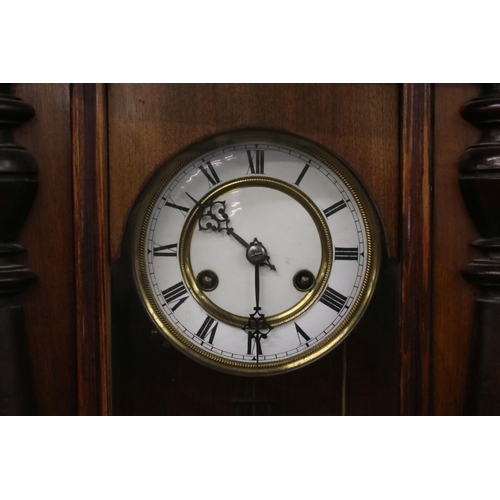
(256, 167)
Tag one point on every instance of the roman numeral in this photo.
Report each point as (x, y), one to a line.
(258, 166)
(178, 207)
(301, 334)
(346, 253)
(175, 294)
(254, 345)
(301, 176)
(159, 251)
(333, 299)
(214, 178)
(205, 330)
(335, 208)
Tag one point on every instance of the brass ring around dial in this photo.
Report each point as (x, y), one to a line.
(309, 298)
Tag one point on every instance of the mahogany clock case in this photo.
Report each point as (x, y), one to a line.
(130, 328)
(93, 351)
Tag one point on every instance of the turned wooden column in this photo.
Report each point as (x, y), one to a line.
(480, 186)
(18, 185)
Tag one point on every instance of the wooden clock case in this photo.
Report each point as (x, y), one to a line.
(82, 347)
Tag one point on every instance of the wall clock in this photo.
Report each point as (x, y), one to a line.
(255, 252)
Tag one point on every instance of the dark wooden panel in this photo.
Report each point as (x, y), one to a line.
(372, 355)
(18, 186)
(149, 123)
(48, 237)
(452, 234)
(152, 378)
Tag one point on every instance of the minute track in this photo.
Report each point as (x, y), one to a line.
(197, 178)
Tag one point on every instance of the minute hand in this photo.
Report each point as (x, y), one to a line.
(237, 237)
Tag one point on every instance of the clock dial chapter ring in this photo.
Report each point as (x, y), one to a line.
(213, 197)
(137, 248)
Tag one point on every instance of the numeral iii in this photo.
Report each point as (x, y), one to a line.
(346, 253)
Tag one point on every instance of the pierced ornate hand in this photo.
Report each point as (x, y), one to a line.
(213, 217)
(257, 326)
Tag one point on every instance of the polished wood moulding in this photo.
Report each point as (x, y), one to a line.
(90, 194)
(96, 146)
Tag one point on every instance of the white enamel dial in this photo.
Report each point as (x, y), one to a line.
(308, 217)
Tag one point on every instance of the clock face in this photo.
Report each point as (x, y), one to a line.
(256, 252)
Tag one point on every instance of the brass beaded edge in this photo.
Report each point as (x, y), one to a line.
(326, 252)
(332, 339)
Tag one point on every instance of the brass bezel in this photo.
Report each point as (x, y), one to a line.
(148, 198)
(191, 224)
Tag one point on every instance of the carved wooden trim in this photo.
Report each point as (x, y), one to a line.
(18, 186)
(480, 186)
(90, 188)
(416, 225)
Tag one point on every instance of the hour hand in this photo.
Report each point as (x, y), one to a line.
(213, 217)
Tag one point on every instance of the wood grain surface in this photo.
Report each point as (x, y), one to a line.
(453, 232)
(416, 248)
(48, 238)
(150, 123)
(92, 272)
